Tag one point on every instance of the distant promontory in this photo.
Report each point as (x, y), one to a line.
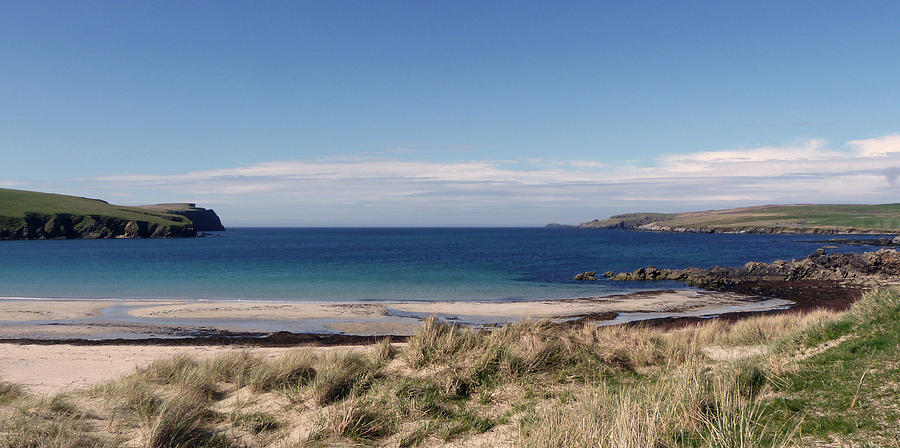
(30, 215)
(799, 218)
(205, 220)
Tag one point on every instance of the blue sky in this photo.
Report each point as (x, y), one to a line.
(451, 113)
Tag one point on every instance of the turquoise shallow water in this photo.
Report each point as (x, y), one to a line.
(371, 264)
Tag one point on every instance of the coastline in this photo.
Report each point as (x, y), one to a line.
(35, 319)
(53, 345)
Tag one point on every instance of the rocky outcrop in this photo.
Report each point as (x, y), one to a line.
(884, 242)
(34, 226)
(204, 220)
(869, 268)
(590, 275)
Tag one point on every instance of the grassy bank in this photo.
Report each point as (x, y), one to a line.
(785, 380)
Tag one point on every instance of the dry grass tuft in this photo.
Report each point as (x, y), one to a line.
(294, 369)
(233, 367)
(340, 373)
(385, 351)
(53, 422)
(185, 420)
(355, 419)
(10, 392)
(256, 422)
(185, 372)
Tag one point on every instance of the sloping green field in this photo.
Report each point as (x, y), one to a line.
(17, 203)
(805, 218)
(34, 215)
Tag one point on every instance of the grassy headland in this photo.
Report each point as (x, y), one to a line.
(804, 218)
(782, 380)
(203, 219)
(34, 215)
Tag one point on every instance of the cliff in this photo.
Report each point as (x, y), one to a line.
(32, 215)
(205, 220)
(801, 218)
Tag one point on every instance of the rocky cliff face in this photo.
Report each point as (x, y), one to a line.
(36, 226)
(204, 220)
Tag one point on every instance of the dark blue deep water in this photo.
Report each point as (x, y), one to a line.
(371, 264)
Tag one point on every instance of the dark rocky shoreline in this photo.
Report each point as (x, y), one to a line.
(858, 269)
(807, 295)
(820, 281)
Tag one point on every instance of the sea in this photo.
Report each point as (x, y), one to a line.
(374, 264)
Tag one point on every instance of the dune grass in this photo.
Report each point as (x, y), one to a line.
(789, 380)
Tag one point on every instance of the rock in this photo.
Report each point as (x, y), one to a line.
(896, 241)
(589, 276)
(869, 268)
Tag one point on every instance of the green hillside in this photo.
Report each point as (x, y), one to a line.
(34, 215)
(803, 218)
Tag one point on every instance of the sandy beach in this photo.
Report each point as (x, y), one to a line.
(106, 319)
(31, 353)
(48, 369)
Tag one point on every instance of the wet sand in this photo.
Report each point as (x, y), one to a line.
(23, 310)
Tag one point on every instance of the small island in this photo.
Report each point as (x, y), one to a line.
(792, 219)
(30, 215)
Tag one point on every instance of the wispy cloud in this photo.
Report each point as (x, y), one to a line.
(394, 189)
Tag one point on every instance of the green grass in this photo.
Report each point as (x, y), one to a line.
(849, 391)
(15, 204)
(836, 217)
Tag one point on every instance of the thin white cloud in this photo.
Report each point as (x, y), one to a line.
(395, 188)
